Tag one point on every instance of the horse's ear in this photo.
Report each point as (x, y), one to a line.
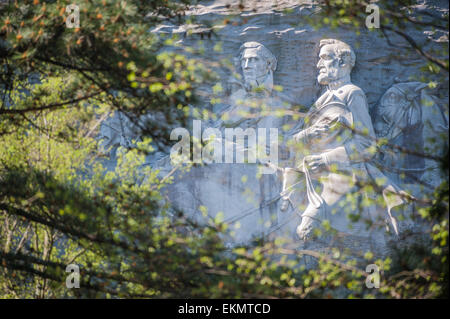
(414, 115)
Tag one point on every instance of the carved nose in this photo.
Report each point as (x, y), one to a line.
(246, 63)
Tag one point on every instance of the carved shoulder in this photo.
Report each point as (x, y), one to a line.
(351, 92)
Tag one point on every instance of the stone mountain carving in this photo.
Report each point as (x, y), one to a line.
(239, 191)
(254, 103)
(117, 131)
(409, 119)
(332, 155)
(337, 148)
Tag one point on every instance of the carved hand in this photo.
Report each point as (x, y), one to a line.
(315, 162)
(319, 130)
(312, 132)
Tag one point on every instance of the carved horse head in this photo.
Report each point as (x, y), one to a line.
(399, 110)
(403, 117)
(399, 120)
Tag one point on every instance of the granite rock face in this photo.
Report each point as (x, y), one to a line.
(402, 110)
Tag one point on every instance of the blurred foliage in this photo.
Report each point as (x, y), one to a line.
(59, 205)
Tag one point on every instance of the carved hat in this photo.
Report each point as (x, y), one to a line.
(258, 50)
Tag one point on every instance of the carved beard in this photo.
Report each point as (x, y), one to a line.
(333, 72)
(330, 75)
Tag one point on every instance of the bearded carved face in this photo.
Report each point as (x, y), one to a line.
(331, 68)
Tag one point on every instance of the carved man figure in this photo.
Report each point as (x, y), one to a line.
(338, 142)
(236, 189)
(251, 105)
